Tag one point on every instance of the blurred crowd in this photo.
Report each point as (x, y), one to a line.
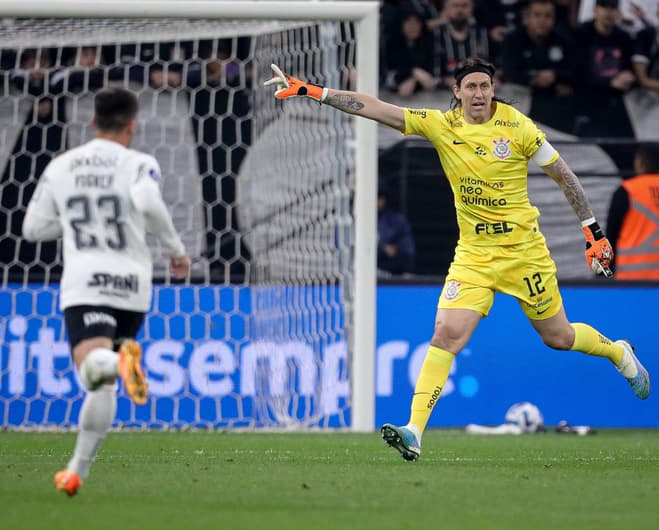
(38, 85)
(588, 69)
(578, 58)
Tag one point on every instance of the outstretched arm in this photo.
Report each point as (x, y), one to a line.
(367, 107)
(345, 100)
(599, 253)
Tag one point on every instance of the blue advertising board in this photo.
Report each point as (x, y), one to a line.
(203, 369)
(506, 362)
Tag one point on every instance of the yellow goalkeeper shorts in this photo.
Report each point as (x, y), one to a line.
(525, 271)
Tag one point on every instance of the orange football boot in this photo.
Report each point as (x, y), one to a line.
(130, 370)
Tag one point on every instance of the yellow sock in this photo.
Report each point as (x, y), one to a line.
(590, 341)
(433, 376)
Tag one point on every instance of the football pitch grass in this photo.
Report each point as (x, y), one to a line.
(190, 480)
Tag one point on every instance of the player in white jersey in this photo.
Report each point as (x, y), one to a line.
(102, 198)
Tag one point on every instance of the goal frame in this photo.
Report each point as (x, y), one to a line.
(365, 15)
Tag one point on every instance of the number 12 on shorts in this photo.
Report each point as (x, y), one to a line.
(534, 284)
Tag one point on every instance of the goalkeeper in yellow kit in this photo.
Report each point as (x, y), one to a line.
(484, 146)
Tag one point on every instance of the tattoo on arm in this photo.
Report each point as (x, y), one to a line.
(560, 172)
(345, 102)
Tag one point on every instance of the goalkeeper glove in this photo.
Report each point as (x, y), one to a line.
(288, 86)
(599, 252)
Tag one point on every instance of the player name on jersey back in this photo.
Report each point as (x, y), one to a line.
(107, 261)
(94, 181)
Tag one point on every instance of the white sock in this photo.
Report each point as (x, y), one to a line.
(100, 365)
(96, 416)
(627, 366)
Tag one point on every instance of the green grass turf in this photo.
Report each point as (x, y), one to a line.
(151, 480)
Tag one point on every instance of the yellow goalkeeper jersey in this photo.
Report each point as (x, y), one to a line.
(487, 167)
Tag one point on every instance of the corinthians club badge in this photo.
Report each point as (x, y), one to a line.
(501, 148)
(451, 290)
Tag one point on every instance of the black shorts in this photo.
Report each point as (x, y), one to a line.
(89, 321)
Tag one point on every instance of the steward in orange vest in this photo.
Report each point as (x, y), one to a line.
(633, 221)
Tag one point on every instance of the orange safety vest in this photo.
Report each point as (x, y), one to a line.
(637, 252)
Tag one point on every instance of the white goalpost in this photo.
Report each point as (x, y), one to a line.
(275, 201)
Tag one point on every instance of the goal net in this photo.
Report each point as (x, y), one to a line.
(263, 193)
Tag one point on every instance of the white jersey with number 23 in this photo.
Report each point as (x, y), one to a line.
(102, 198)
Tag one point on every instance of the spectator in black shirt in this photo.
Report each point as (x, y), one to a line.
(538, 56)
(567, 17)
(460, 37)
(645, 59)
(431, 11)
(221, 120)
(167, 72)
(158, 65)
(130, 62)
(605, 75)
(396, 248)
(499, 17)
(410, 57)
(392, 12)
(83, 71)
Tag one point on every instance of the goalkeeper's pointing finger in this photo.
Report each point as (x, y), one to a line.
(289, 86)
(279, 78)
